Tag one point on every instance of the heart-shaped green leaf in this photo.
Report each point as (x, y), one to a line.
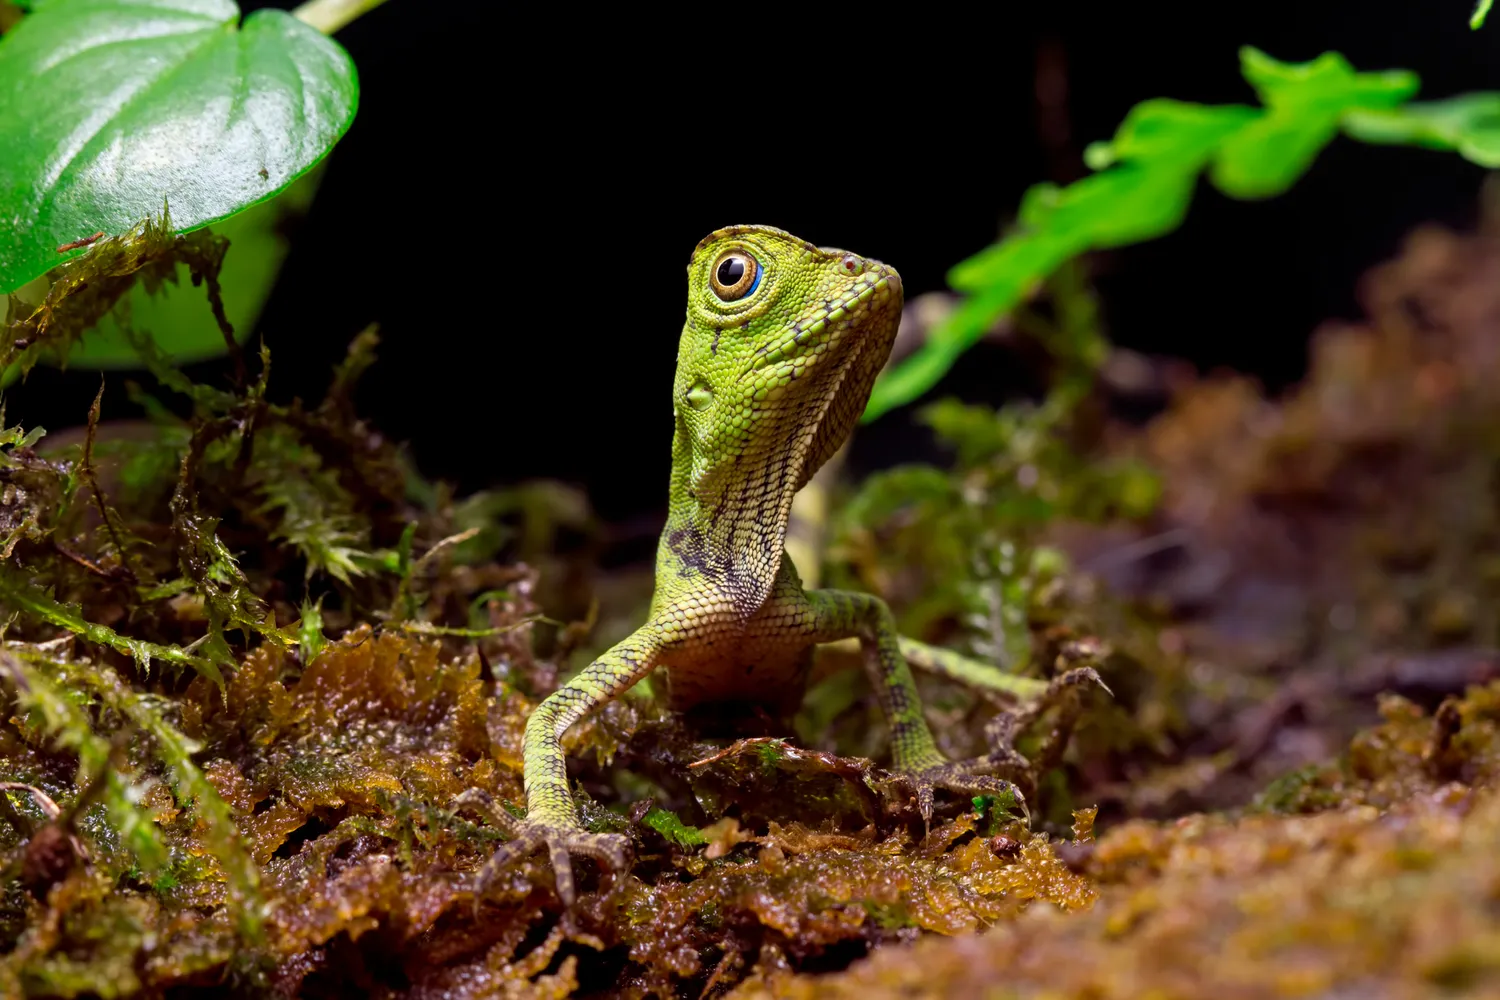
(110, 108)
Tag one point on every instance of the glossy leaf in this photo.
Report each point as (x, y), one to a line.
(108, 110)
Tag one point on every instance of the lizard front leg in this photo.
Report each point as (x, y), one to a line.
(841, 614)
(551, 814)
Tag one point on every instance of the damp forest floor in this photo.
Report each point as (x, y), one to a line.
(253, 668)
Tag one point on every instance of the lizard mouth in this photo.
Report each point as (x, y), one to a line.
(844, 315)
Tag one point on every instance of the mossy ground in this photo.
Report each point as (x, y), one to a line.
(252, 662)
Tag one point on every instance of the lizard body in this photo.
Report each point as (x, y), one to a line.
(780, 348)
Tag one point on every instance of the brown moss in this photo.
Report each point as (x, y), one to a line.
(295, 831)
(341, 774)
(1396, 900)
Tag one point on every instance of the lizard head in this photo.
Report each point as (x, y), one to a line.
(782, 344)
(781, 347)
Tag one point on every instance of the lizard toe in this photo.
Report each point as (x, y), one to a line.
(611, 850)
(1062, 692)
(956, 776)
(1072, 679)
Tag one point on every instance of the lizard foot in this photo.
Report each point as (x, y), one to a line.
(1062, 690)
(977, 776)
(963, 778)
(611, 850)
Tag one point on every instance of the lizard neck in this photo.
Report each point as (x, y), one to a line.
(727, 517)
(724, 535)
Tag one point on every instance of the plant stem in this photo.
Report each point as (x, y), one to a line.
(328, 16)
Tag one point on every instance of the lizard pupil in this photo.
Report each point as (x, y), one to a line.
(731, 271)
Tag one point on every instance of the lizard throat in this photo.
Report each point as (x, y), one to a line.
(730, 528)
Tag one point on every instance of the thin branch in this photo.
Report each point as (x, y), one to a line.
(92, 477)
(328, 16)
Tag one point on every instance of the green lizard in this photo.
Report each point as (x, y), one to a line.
(782, 344)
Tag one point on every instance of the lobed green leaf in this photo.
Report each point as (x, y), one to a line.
(1145, 177)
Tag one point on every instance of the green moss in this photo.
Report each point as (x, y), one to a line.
(295, 811)
(673, 829)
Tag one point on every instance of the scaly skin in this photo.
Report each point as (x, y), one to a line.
(773, 370)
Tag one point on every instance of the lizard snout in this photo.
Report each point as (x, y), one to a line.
(892, 279)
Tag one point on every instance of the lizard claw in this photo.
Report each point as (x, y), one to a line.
(611, 850)
(1061, 690)
(1076, 678)
(976, 777)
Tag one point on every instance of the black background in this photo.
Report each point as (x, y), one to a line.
(517, 198)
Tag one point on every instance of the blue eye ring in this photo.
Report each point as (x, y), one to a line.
(735, 275)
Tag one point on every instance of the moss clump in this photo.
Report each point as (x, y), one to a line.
(340, 776)
(1388, 886)
(260, 680)
(258, 674)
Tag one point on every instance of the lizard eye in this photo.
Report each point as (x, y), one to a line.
(735, 275)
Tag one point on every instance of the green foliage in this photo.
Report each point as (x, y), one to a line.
(1303, 106)
(228, 598)
(972, 534)
(406, 600)
(265, 465)
(154, 102)
(309, 507)
(1469, 123)
(19, 592)
(1145, 177)
(667, 824)
(310, 638)
(181, 324)
(994, 809)
(38, 488)
(183, 531)
(188, 782)
(63, 715)
(58, 695)
(84, 289)
(1481, 11)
